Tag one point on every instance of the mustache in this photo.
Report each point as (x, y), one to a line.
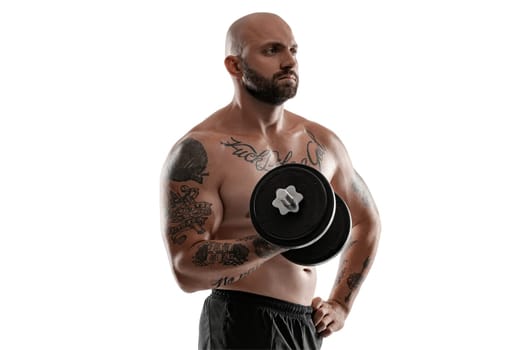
(286, 73)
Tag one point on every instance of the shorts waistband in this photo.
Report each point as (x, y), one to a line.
(261, 300)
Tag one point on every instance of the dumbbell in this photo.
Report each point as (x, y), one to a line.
(295, 207)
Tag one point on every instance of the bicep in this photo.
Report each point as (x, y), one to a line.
(191, 207)
(361, 200)
(191, 213)
(351, 187)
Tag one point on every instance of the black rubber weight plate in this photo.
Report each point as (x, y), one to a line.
(330, 244)
(316, 210)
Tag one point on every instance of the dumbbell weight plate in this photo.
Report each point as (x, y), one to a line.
(316, 209)
(330, 244)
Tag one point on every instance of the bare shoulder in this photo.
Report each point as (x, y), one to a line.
(194, 140)
(193, 155)
(321, 133)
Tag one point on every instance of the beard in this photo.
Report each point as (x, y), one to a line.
(268, 90)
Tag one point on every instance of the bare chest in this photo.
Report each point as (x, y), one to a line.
(241, 162)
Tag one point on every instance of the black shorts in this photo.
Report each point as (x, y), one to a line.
(239, 320)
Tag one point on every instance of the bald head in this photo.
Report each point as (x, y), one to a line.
(245, 28)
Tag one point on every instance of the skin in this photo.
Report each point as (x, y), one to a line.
(211, 171)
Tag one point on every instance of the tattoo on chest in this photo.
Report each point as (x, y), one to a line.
(265, 160)
(228, 254)
(185, 213)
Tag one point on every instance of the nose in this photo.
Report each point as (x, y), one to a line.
(288, 60)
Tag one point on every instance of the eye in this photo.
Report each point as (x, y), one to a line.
(270, 50)
(293, 51)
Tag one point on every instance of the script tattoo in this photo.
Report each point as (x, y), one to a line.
(227, 280)
(185, 213)
(223, 253)
(190, 161)
(263, 160)
(354, 280)
(266, 160)
(314, 151)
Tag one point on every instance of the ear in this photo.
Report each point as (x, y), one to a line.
(232, 65)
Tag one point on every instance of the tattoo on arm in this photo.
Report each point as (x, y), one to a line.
(190, 162)
(360, 188)
(264, 248)
(232, 254)
(354, 280)
(342, 272)
(228, 254)
(184, 212)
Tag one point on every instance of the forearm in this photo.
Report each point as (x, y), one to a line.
(213, 264)
(355, 263)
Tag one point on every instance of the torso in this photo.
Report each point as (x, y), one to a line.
(235, 163)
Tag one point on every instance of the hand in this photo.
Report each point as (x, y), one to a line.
(328, 316)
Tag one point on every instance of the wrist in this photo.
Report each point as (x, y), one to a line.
(343, 305)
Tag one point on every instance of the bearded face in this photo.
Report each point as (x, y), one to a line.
(274, 91)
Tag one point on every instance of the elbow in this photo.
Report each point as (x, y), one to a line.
(369, 229)
(375, 233)
(186, 280)
(375, 229)
(376, 222)
(186, 285)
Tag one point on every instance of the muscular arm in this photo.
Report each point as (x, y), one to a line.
(358, 255)
(359, 252)
(214, 264)
(191, 213)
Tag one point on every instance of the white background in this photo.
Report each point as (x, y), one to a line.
(428, 96)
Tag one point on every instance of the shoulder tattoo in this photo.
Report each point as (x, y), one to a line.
(184, 211)
(190, 162)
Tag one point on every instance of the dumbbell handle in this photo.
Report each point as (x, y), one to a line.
(287, 200)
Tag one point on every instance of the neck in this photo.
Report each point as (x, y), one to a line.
(258, 115)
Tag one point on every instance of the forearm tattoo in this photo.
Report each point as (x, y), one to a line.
(264, 248)
(184, 212)
(342, 272)
(228, 254)
(354, 280)
(268, 159)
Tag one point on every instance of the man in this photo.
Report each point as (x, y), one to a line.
(259, 299)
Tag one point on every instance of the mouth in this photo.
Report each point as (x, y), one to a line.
(288, 76)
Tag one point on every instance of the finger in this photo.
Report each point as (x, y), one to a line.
(317, 317)
(326, 332)
(319, 314)
(323, 326)
(317, 302)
